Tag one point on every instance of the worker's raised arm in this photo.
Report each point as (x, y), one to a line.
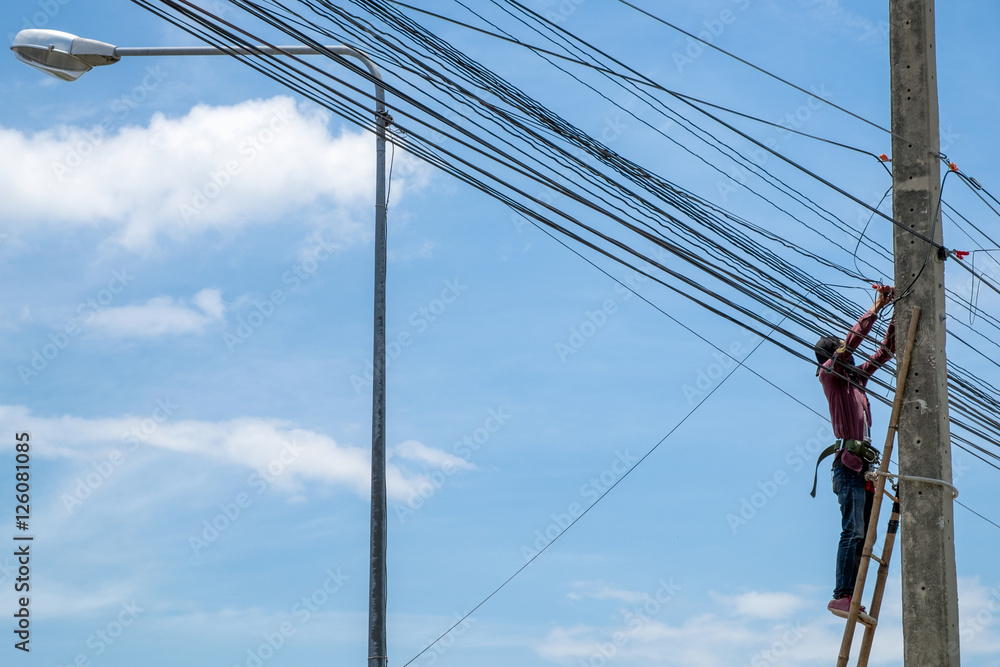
(865, 324)
(887, 349)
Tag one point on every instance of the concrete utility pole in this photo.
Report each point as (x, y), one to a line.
(930, 593)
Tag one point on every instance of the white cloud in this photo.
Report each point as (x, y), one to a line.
(57, 601)
(216, 167)
(159, 316)
(757, 628)
(284, 455)
(763, 605)
(601, 591)
(210, 301)
(704, 640)
(832, 15)
(979, 617)
(412, 450)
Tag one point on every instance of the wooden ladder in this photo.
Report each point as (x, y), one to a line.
(870, 620)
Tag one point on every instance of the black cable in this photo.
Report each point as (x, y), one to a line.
(990, 521)
(586, 510)
(865, 229)
(937, 154)
(708, 138)
(730, 303)
(969, 396)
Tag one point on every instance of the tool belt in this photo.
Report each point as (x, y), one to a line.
(859, 448)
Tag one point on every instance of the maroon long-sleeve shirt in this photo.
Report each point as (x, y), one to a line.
(850, 413)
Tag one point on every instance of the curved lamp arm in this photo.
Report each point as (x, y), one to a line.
(69, 57)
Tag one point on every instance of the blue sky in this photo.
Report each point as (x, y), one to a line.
(186, 316)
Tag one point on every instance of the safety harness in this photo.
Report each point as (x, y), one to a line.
(860, 448)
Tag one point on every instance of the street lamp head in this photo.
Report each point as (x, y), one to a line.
(61, 54)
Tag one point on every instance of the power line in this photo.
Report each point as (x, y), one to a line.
(687, 203)
(989, 521)
(587, 509)
(541, 126)
(658, 19)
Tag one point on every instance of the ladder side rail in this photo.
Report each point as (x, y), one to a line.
(883, 573)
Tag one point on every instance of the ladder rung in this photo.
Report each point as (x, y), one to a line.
(876, 559)
(891, 497)
(867, 620)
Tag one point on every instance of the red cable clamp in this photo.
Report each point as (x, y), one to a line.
(953, 166)
(961, 254)
(884, 158)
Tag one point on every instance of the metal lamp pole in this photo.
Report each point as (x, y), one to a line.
(68, 57)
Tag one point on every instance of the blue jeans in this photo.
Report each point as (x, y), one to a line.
(855, 510)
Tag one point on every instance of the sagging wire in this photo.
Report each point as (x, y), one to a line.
(974, 289)
(936, 153)
(715, 295)
(691, 127)
(865, 228)
(586, 510)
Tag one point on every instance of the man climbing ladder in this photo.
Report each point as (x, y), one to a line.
(844, 386)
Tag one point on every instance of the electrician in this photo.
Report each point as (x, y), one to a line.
(851, 417)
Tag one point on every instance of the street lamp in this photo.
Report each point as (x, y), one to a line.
(69, 57)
